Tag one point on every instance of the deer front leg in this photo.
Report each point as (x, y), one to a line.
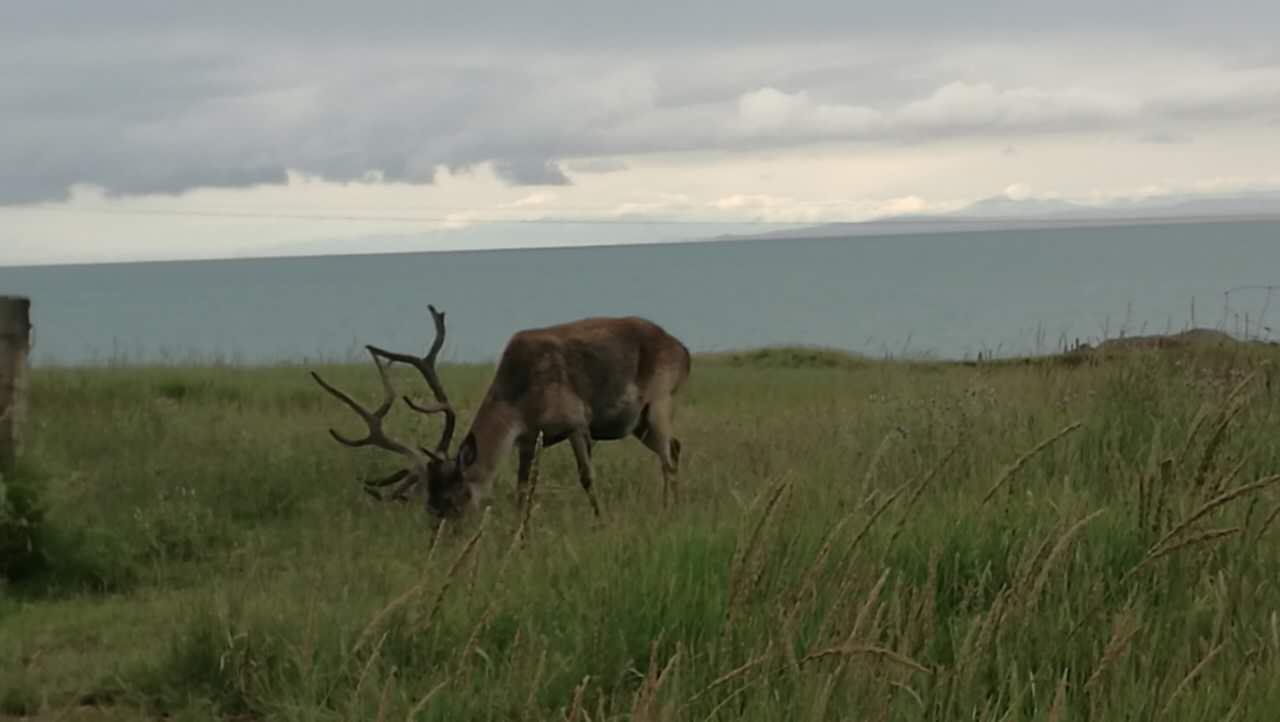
(581, 441)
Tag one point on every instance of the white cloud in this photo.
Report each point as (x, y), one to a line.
(1017, 191)
(533, 199)
(961, 105)
(769, 112)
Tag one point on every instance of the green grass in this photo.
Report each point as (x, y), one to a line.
(856, 539)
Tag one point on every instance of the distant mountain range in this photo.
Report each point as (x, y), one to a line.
(1005, 213)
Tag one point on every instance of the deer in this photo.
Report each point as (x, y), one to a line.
(584, 381)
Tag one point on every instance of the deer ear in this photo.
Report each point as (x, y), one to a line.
(467, 452)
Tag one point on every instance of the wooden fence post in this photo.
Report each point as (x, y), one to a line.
(15, 342)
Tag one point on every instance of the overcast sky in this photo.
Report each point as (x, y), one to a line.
(136, 129)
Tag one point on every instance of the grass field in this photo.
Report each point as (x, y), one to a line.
(855, 540)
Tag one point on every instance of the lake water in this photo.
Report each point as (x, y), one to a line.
(944, 295)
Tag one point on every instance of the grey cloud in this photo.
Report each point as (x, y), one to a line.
(150, 97)
(661, 22)
(1163, 137)
(597, 165)
(528, 172)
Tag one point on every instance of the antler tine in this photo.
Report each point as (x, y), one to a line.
(427, 367)
(373, 419)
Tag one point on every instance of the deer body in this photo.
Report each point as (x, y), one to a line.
(595, 379)
(598, 379)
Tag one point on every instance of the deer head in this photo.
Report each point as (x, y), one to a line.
(447, 495)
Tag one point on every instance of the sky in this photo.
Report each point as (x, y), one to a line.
(140, 129)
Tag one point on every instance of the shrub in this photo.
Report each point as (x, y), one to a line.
(21, 526)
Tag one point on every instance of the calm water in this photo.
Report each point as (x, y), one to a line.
(948, 295)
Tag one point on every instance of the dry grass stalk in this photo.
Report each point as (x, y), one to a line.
(1267, 522)
(1216, 438)
(647, 695)
(386, 695)
(852, 579)
(1246, 681)
(850, 650)
(867, 606)
(1186, 681)
(910, 693)
(1024, 572)
(1156, 553)
(1016, 703)
(404, 598)
(1208, 536)
(736, 672)
(453, 571)
(530, 701)
(426, 699)
(1214, 503)
(728, 698)
(492, 604)
(1204, 537)
(987, 632)
(930, 611)
(1232, 406)
(808, 584)
(575, 707)
(874, 464)
(788, 642)
(1058, 550)
(1059, 699)
(1162, 498)
(1201, 415)
(1126, 629)
(919, 490)
(386, 611)
(368, 665)
(534, 473)
(1022, 460)
(1217, 486)
(743, 554)
(875, 515)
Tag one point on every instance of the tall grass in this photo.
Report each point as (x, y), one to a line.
(856, 540)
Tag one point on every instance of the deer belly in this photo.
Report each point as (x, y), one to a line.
(616, 425)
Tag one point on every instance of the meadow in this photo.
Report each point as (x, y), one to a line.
(855, 539)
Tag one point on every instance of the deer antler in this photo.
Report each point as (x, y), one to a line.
(377, 435)
(427, 367)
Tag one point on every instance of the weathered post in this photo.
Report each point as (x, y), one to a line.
(15, 342)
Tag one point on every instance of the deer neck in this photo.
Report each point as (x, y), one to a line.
(495, 428)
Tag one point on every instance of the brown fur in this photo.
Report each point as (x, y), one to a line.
(595, 379)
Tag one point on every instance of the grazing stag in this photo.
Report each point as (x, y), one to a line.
(584, 381)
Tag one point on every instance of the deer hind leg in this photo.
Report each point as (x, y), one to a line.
(655, 431)
(581, 441)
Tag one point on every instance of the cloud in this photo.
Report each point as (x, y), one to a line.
(1163, 137)
(771, 113)
(786, 209)
(620, 25)
(529, 172)
(144, 98)
(597, 165)
(983, 106)
(533, 200)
